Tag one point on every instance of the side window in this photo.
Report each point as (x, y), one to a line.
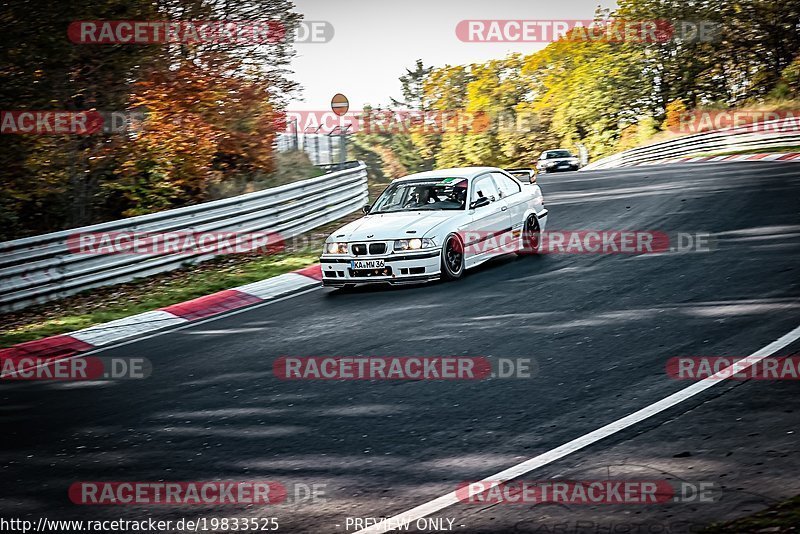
(484, 187)
(506, 185)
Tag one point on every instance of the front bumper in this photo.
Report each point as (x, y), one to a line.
(560, 168)
(407, 267)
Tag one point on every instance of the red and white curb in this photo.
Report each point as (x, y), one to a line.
(780, 156)
(66, 345)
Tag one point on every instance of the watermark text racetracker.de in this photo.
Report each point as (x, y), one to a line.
(200, 492)
(74, 369)
(743, 120)
(587, 242)
(587, 492)
(734, 368)
(608, 30)
(403, 121)
(403, 368)
(177, 242)
(58, 122)
(177, 493)
(232, 32)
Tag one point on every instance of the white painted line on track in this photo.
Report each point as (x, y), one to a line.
(440, 503)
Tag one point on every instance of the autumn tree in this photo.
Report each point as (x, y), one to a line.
(208, 109)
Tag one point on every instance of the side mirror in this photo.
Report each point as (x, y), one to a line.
(482, 201)
(366, 209)
(533, 177)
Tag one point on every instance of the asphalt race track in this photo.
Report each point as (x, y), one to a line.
(599, 327)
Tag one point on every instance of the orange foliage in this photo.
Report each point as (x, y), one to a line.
(199, 129)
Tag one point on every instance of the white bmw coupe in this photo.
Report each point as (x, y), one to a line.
(436, 224)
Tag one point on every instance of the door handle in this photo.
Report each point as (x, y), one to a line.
(504, 208)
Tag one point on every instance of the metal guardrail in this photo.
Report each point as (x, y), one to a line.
(42, 268)
(762, 135)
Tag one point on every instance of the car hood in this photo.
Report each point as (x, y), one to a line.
(559, 160)
(391, 225)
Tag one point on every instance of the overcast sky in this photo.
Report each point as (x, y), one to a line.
(376, 39)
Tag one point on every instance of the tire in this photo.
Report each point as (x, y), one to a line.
(531, 236)
(452, 258)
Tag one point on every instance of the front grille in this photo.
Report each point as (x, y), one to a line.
(377, 248)
(360, 249)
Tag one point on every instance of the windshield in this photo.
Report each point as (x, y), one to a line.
(439, 194)
(558, 154)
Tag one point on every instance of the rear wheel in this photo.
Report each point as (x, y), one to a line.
(531, 236)
(452, 258)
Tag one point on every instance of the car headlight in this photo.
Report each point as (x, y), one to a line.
(336, 248)
(413, 244)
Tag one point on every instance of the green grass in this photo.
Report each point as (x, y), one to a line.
(781, 518)
(106, 304)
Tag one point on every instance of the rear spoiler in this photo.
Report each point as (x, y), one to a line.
(523, 174)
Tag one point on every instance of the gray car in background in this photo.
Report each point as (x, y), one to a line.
(557, 160)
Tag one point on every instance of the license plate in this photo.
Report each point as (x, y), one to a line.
(367, 264)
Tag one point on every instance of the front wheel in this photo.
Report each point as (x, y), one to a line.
(531, 236)
(452, 258)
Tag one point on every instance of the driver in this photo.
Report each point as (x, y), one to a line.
(419, 197)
